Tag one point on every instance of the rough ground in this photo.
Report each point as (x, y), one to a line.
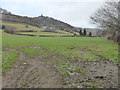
(36, 73)
(31, 73)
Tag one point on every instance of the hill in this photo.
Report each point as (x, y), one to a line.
(48, 24)
(45, 22)
(30, 30)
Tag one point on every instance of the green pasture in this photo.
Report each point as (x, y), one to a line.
(89, 49)
(22, 27)
(81, 48)
(8, 58)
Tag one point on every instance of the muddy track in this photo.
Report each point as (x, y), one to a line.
(36, 73)
(30, 73)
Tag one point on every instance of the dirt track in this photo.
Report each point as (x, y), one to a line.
(31, 73)
(34, 73)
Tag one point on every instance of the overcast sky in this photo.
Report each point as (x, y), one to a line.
(74, 12)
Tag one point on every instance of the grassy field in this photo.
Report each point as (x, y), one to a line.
(82, 48)
(19, 27)
(64, 54)
(8, 58)
(25, 27)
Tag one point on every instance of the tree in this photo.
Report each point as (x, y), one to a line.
(106, 17)
(84, 33)
(80, 32)
(3, 26)
(41, 15)
(90, 34)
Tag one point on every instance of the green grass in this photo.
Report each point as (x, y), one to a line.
(32, 52)
(19, 26)
(8, 58)
(80, 48)
(62, 45)
(91, 85)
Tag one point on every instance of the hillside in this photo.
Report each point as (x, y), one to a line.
(41, 21)
(30, 30)
(36, 26)
(46, 23)
(49, 24)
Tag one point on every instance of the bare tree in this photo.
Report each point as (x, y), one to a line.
(106, 17)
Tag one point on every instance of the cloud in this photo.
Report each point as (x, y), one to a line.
(53, 0)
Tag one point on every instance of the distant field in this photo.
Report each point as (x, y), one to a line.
(22, 27)
(45, 33)
(25, 27)
(64, 32)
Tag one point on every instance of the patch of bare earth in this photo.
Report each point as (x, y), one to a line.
(41, 72)
(99, 74)
(30, 73)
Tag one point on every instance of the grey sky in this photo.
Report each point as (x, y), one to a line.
(74, 13)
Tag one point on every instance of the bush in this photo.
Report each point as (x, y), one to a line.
(75, 34)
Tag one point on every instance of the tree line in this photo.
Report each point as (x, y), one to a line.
(84, 33)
